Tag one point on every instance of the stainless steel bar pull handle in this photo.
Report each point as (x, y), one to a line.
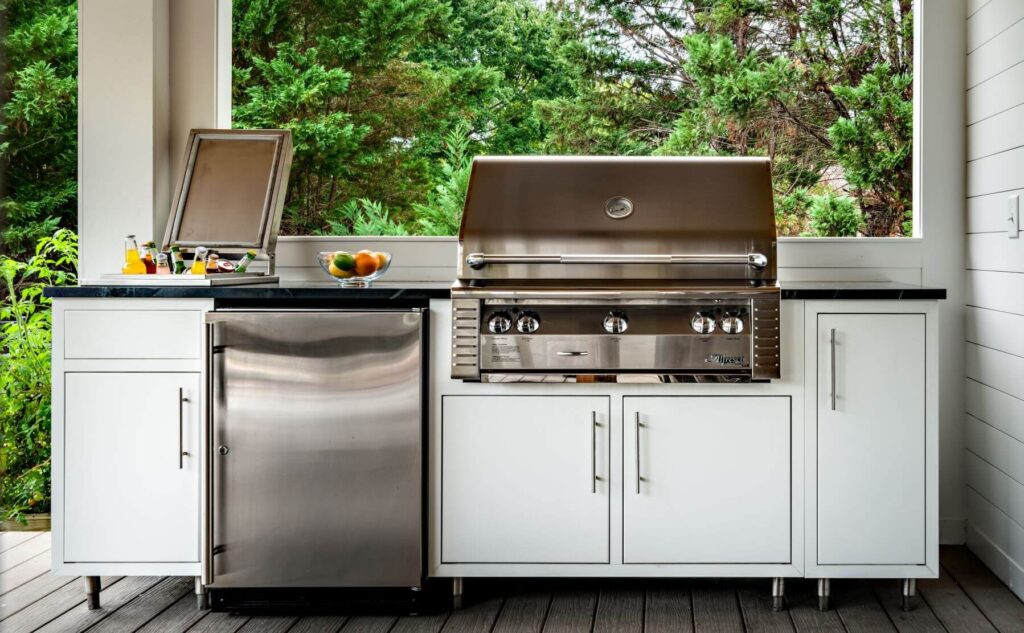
(207, 461)
(758, 261)
(832, 358)
(574, 353)
(637, 441)
(593, 452)
(182, 453)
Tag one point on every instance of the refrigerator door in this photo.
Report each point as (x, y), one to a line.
(316, 449)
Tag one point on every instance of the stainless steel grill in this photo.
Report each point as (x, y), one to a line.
(600, 267)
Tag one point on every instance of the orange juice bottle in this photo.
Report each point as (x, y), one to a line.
(199, 263)
(133, 264)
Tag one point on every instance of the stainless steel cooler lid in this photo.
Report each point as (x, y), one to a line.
(618, 218)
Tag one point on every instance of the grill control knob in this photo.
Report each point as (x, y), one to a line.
(702, 323)
(499, 323)
(732, 324)
(527, 323)
(616, 322)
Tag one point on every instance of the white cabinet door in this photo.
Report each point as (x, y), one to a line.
(714, 481)
(524, 479)
(130, 496)
(871, 439)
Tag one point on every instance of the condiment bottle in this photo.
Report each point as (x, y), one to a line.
(199, 263)
(162, 267)
(245, 261)
(148, 253)
(212, 263)
(178, 260)
(132, 262)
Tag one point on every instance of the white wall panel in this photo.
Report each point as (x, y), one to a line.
(997, 487)
(991, 19)
(986, 214)
(997, 448)
(998, 133)
(1000, 172)
(996, 369)
(999, 93)
(995, 290)
(973, 6)
(991, 328)
(999, 409)
(995, 251)
(995, 55)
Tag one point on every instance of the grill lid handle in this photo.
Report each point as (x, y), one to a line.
(757, 261)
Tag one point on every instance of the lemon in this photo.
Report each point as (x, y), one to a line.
(344, 261)
(338, 272)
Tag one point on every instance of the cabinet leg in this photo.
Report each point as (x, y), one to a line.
(824, 593)
(909, 591)
(202, 598)
(457, 593)
(778, 594)
(92, 592)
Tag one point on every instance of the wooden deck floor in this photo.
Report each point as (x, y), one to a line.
(967, 598)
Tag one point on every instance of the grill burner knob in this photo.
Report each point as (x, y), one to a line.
(732, 324)
(499, 323)
(527, 323)
(616, 322)
(702, 324)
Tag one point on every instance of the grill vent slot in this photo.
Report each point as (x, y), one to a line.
(465, 339)
(766, 338)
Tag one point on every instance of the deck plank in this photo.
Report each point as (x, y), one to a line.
(178, 617)
(219, 623)
(478, 617)
(31, 592)
(668, 610)
(620, 611)
(24, 551)
(716, 608)
(415, 624)
(523, 613)
(268, 624)
(144, 607)
(25, 572)
(80, 618)
(803, 609)
(319, 624)
(1003, 609)
(920, 619)
(571, 612)
(53, 605)
(755, 599)
(859, 609)
(952, 606)
(10, 539)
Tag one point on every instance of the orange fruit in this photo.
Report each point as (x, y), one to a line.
(366, 263)
(382, 259)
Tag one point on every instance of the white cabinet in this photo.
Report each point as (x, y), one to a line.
(524, 479)
(871, 438)
(130, 492)
(714, 480)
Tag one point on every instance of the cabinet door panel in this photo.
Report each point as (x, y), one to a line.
(871, 445)
(126, 499)
(715, 480)
(517, 483)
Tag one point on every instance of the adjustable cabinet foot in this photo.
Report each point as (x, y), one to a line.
(824, 594)
(92, 592)
(202, 597)
(909, 591)
(778, 594)
(457, 593)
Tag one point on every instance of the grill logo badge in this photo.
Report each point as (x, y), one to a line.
(618, 207)
(725, 359)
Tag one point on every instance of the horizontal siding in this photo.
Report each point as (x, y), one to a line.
(997, 448)
(996, 369)
(999, 409)
(986, 214)
(995, 251)
(990, 327)
(995, 290)
(998, 133)
(992, 174)
(996, 487)
(973, 6)
(989, 21)
(996, 55)
(999, 93)
(1003, 534)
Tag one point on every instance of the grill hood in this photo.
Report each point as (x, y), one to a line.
(618, 218)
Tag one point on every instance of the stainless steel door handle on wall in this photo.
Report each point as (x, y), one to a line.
(832, 358)
(182, 453)
(206, 560)
(637, 441)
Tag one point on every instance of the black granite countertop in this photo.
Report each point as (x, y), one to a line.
(424, 291)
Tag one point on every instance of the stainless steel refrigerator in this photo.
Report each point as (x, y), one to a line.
(314, 449)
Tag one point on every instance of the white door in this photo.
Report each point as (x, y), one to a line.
(871, 439)
(524, 479)
(714, 480)
(130, 495)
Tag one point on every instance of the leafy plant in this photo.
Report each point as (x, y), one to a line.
(835, 216)
(25, 332)
(442, 213)
(363, 217)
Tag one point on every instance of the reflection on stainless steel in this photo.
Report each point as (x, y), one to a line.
(321, 485)
(614, 266)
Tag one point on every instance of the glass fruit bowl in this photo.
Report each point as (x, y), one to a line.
(354, 270)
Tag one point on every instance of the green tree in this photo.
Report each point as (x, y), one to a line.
(38, 121)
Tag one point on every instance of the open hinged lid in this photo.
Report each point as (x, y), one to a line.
(231, 192)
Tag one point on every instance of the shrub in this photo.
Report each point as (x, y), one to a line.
(25, 332)
(835, 216)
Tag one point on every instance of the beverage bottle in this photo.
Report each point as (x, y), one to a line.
(199, 263)
(132, 262)
(162, 267)
(212, 263)
(148, 253)
(178, 260)
(245, 261)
